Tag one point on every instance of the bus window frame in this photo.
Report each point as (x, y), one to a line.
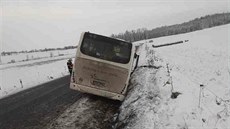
(113, 42)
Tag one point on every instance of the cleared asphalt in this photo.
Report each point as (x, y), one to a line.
(36, 107)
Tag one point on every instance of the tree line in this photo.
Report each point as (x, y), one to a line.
(37, 50)
(193, 25)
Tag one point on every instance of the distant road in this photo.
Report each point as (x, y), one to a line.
(35, 107)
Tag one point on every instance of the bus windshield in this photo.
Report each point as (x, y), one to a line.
(106, 48)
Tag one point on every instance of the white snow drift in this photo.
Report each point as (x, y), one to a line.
(188, 87)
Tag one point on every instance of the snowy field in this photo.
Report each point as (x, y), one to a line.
(23, 57)
(32, 69)
(183, 86)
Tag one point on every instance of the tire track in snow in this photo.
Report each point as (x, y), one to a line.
(89, 112)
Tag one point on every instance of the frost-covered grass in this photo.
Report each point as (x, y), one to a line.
(188, 88)
(43, 67)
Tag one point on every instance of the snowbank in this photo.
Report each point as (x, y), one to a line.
(181, 86)
(140, 110)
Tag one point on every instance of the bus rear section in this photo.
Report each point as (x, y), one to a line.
(102, 66)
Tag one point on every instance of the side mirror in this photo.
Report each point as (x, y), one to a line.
(137, 60)
(135, 55)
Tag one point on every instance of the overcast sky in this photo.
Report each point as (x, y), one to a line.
(36, 24)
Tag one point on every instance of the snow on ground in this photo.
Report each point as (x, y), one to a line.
(21, 57)
(179, 86)
(188, 87)
(43, 67)
(89, 112)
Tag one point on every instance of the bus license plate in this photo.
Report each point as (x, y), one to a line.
(98, 83)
